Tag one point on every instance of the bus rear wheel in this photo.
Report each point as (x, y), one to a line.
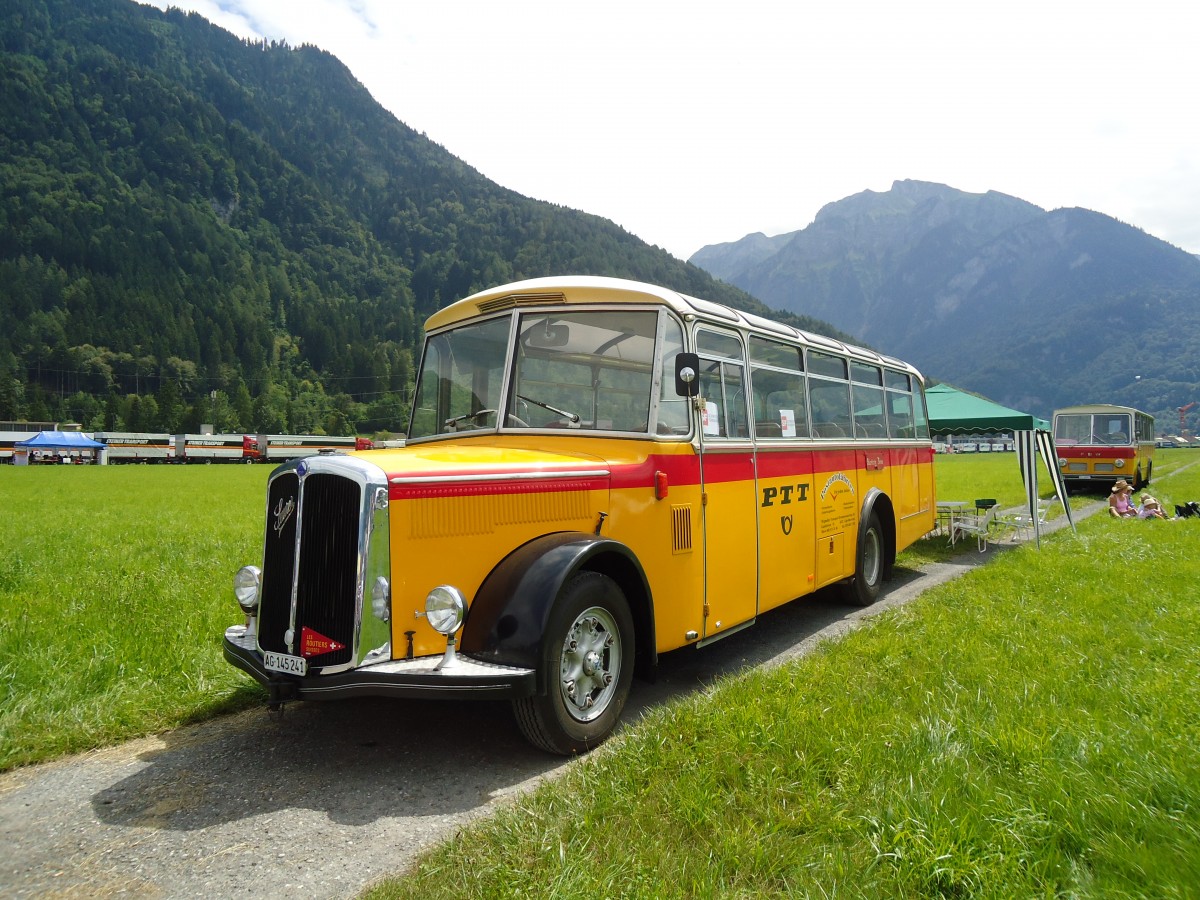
(863, 588)
(586, 668)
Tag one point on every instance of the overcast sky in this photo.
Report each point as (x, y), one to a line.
(694, 123)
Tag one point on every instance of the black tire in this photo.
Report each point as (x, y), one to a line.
(586, 666)
(1149, 471)
(863, 588)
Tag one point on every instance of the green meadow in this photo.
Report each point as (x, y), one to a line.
(1028, 729)
(115, 589)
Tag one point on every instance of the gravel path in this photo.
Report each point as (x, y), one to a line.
(327, 798)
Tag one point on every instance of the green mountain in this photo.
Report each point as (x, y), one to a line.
(1033, 309)
(198, 228)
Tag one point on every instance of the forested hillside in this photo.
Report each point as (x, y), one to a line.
(194, 228)
(1033, 309)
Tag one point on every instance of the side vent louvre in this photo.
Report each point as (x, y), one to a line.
(681, 529)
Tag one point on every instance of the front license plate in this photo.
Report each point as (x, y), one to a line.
(282, 662)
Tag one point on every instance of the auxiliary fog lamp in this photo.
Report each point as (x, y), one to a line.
(445, 608)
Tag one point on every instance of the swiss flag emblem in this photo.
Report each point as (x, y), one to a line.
(313, 643)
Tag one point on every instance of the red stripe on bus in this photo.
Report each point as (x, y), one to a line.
(1096, 453)
(682, 470)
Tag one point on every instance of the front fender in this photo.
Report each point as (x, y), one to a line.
(507, 619)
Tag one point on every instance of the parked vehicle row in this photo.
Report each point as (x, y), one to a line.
(140, 447)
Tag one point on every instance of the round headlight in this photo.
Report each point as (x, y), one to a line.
(445, 608)
(245, 588)
(380, 593)
(1118, 463)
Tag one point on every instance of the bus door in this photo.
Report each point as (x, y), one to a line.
(730, 491)
(786, 548)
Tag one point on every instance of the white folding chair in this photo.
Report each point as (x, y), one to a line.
(980, 527)
(1022, 523)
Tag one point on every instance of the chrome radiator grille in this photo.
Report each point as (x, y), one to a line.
(311, 554)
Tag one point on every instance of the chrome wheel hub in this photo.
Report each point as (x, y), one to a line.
(591, 664)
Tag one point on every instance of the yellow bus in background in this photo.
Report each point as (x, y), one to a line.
(1100, 443)
(596, 472)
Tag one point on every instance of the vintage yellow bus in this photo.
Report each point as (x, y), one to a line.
(597, 471)
(1099, 443)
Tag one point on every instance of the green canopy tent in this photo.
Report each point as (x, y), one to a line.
(952, 411)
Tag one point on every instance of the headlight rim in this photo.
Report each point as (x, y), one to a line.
(381, 598)
(248, 590)
(445, 609)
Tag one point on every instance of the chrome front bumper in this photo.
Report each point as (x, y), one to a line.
(413, 678)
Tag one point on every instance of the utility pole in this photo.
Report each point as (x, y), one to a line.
(1183, 410)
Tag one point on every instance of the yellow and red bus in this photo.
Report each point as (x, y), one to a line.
(596, 472)
(1099, 443)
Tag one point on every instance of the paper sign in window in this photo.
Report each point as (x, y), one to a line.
(787, 422)
(711, 418)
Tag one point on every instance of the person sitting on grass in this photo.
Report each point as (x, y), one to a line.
(1119, 506)
(1150, 508)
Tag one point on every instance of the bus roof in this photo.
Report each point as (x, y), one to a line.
(1098, 408)
(598, 289)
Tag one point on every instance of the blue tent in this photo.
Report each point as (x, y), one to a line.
(59, 440)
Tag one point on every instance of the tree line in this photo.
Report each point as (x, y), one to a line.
(196, 228)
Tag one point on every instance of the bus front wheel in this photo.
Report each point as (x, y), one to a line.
(586, 668)
(863, 588)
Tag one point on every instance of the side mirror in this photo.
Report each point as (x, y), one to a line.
(687, 373)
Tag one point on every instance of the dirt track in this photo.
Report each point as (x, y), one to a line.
(330, 797)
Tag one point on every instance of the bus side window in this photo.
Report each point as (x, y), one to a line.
(723, 383)
(788, 411)
(829, 395)
(672, 414)
(900, 415)
(868, 411)
(830, 407)
(777, 374)
(721, 387)
(920, 416)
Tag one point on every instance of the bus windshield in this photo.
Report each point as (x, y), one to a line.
(461, 378)
(1109, 428)
(579, 369)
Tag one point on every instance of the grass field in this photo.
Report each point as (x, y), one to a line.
(1027, 729)
(115, 589)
